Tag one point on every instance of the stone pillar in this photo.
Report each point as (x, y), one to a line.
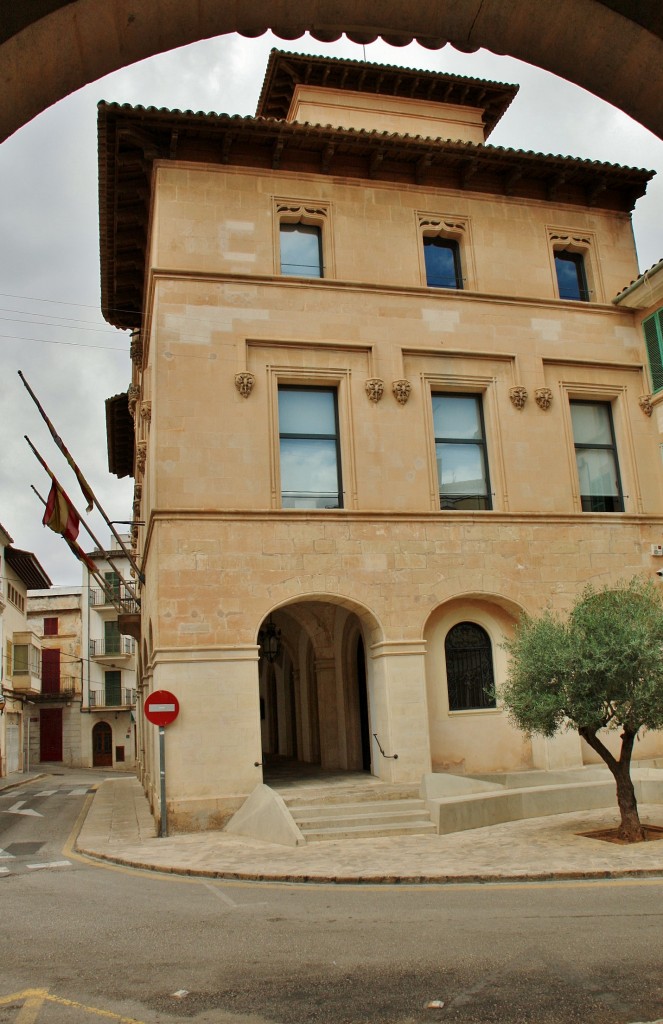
(212, 746)
(398, 710)
(325, 675)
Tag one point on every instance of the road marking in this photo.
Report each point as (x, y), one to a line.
(4, 871)
(16, 809)
(49, 864)
(5, 856)
(229, 901)
(46, 792)
(34, 999)
(81, 791)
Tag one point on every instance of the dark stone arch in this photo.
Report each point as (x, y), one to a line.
(603, 45)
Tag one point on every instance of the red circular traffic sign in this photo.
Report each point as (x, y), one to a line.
(161, 707)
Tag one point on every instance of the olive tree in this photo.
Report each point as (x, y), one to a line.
(600, 668)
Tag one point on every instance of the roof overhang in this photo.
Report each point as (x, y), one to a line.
(645, 292)
(120, 435)
(27, 568)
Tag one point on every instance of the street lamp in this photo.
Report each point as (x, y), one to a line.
(269, 640)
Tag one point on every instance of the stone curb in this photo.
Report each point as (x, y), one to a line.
(340, 879)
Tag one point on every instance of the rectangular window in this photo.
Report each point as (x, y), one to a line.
(9, 660)
(596, 457)
(309, 448)
(112, 689)
(301, 250)
(50, 627)
(460, 449)
(653, 329)
(27, 660)
(442, 259)
(571, 276)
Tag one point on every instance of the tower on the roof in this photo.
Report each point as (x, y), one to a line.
(375, 97)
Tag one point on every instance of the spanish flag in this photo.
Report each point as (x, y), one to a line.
(60, 515)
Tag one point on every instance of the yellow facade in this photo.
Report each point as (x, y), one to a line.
(364, 595)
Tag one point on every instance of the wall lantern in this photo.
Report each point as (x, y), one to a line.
(269, 639)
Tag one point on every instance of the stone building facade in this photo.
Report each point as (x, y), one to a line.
(381, 404)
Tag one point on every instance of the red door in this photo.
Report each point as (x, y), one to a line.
(102, 746)
(50, 734)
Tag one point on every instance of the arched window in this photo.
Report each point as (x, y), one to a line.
(469, 660)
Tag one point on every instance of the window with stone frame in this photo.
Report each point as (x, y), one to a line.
(303, 238)
(310, 458)
(596, 456)
(460, 451)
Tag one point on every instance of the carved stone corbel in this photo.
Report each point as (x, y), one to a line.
(402, 390)
(244, 383)
(518, 396)
(644, 402)
(133, 394)
(543, 398)
(138, 493)
(146, 411)
(374, 388)
(141, 456)
(136, 349)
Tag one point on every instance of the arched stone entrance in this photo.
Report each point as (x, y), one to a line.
(611, 47)
(314, 689)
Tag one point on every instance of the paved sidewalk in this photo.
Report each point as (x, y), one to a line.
(119, 828)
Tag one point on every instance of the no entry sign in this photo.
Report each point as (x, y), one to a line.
(161, 707)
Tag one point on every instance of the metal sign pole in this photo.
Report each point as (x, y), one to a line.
(162, 772)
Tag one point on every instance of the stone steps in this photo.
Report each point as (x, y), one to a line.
(368, 814)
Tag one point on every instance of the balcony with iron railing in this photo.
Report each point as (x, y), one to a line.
(62, 689)
(122, 597)
(122, 697)
(115, 647)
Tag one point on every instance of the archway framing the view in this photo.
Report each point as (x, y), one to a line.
(50, 48)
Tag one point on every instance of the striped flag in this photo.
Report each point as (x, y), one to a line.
(60, 515)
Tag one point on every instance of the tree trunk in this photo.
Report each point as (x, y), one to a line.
(630, 829)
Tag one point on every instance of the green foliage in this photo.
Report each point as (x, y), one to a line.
(602, 667)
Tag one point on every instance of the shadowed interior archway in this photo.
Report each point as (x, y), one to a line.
(614, 48)
(314, 690)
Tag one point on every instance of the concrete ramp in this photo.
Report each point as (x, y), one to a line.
(264, 815)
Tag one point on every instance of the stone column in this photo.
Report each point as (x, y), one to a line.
(212, 746)
(325, 674)
(398, 710)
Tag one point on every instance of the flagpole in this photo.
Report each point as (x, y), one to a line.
(93, 572)
(83, 523)
(88, 493)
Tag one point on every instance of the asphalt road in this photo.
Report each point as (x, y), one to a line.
(81, 941)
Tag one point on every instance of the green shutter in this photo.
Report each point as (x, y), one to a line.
(113, 689)
(653, 328)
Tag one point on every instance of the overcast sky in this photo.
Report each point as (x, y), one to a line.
(50, 325)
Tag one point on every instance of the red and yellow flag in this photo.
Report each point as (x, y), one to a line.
(60, 515)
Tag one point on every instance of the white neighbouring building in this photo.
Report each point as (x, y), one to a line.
(84, 714)
(20, 654)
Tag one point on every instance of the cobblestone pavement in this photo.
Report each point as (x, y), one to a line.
(119, 827)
